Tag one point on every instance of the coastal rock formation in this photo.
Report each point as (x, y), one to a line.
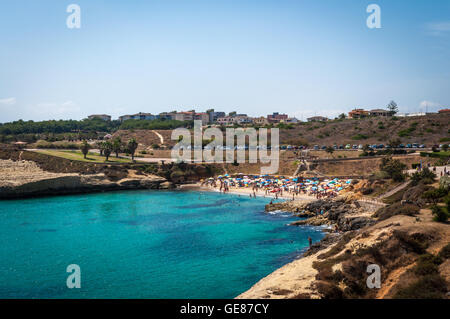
(340, 213)
(19, 179)
(403, 246)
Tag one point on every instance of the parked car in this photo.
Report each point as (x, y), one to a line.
(348, 146)
(422, 146)
(360, 146)
(381, 146)
(316, 147)
(401, 146)
(408, 145)
(341, 147)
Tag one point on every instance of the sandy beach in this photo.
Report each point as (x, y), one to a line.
(248, 192)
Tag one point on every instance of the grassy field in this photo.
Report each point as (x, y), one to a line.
(78, 156)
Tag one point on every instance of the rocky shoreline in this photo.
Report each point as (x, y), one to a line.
(23, 179)
(340, 213)
(399, 242)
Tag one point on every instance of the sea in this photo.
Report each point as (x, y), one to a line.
(143, 244)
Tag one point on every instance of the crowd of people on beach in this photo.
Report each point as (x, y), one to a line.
(279, 186)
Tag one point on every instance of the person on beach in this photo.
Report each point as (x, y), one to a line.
(310, 241)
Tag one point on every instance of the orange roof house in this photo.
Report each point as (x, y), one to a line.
(358, 113)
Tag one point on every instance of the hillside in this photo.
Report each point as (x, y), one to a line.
(427, 130)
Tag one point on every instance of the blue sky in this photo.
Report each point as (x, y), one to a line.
(298, 57)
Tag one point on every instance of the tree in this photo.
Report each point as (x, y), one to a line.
(132, 146)
(395, 143)
(99, 145)
(434, 195)
(85, 148)
(426, 176)
(392, 107)
(394, 168)
(117, 145)
(107, 149)
(330, 150)
(342, 116)
(445, 147)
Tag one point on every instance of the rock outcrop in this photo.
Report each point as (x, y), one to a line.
(343, 214)
(20, 179)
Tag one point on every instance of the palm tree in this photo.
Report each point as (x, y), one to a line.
(107, 149)
(132, 146)
(117, 145)
(85, 148)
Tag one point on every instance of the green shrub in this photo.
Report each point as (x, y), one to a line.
(425, 176)
(358, 137)
(445, 252)
(396, 209)
(414, 242)
(427, 264)
(440, 214)
(434, 195)
(427, 287)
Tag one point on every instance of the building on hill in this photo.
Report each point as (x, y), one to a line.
(103, 117)
(184, 116)
(166, 116)
(358, 114)
(317, 119)
(137, 116)
(291, 120)
(242, 119)
(260, 121)
(276, 117)
(226, 120)
(213, 116)
(444, 111)
(380, 112)
(204, 117)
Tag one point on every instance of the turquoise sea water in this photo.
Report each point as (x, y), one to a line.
(143, 244)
